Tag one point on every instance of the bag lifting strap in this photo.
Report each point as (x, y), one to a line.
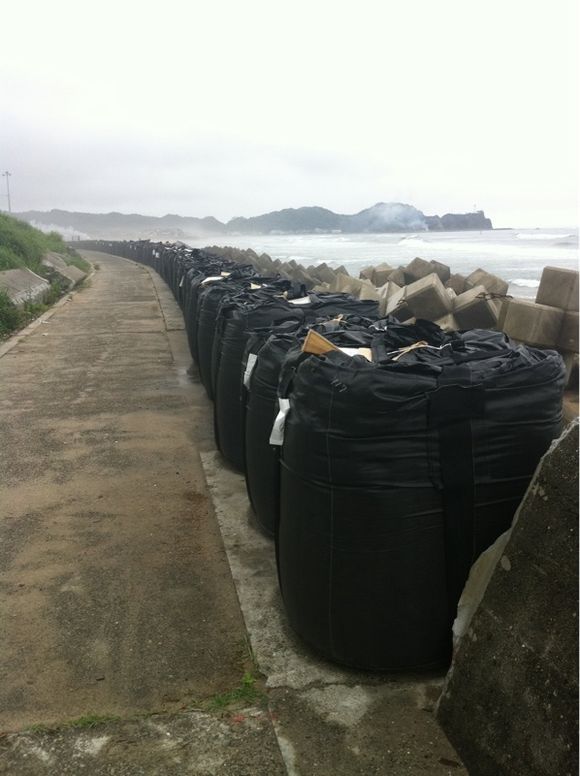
(453, 405)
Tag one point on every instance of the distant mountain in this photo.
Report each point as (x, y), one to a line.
(382, 217)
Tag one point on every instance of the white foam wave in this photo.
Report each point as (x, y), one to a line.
(412, 239)
(525, 283)
(542, 236)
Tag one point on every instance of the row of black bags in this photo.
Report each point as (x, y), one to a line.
(381, 480)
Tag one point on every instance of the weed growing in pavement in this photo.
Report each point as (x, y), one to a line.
(246, 694)
(81, 723)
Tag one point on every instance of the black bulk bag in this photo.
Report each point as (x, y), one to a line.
(229, 395)
(213, 304)
(206, 266)
(277, 288)
(229, 401)
(264, 359)
(211, 284)
(394, 478)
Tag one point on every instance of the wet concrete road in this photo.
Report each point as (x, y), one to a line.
(116, 596)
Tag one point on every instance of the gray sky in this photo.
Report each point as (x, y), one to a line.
(237, 108)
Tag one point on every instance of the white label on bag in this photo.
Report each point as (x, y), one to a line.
(302, 300)
(211, 279)
(181, 281)
(277, 435)
(252, 358)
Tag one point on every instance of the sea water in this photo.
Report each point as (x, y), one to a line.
(517, 255)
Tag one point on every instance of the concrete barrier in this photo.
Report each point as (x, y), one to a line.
(426, 298)
(559, 288)
(532, 323)
(457, 282)
(417, 269)
(366, 273)
(397, 306)
(473, 310)
(348, 285)
(448, 323)
(385, 292)
(441, 270)
(23, 285)
(325, 274)
(568, 338)
(381, 274)
(510, 701)
(398, 276)
(68, 275)
(491, 283)
(367, 290)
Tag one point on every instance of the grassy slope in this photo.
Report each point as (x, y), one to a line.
(22, 246)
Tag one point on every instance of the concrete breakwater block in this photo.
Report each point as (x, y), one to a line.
(381, 274)
(367, 290)
(417, 269)
(385, 292)
(398, 276)
(441, 270)
(473, 310)
(397, 306)
(324, 273)
(448, 323)
(23, 285)
(510, 700)
(366, 273)
(491, 283)
(568, 339)
(532, 323)
(348, 285)
(559, 288)
(426, 298)
(457, 283)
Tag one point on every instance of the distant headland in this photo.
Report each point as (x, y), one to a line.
(380, 218)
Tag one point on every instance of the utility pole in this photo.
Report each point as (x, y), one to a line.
(7, 175)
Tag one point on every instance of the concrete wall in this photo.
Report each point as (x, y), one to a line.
(23, 285)
(510, 702)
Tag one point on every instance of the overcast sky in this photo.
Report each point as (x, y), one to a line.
(238, 108)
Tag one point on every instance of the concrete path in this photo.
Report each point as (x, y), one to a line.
(116, 599)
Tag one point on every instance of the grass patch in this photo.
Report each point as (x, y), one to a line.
(78, 262)
(85, 722)
(23, 246)
(10, 316)
(247, 694)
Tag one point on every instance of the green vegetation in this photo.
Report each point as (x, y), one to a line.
(87, 721)
(10, 316)
(246, 694)
(22, 247)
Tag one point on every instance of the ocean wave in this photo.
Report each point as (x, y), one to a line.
(543, 236)
(412, 239)
(525, 283)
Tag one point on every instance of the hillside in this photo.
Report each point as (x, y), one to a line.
(23, 247)
(382, 217)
